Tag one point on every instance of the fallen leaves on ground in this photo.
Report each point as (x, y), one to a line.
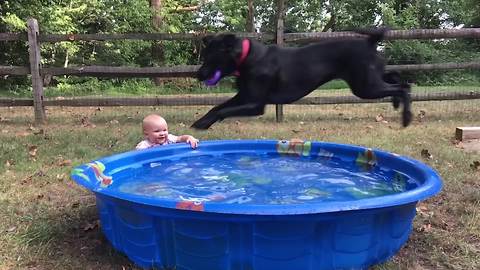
(61, 176)
(36, 131)
(3, 119)
(32, 151)
(380, 118)
(86, 122)
(64, 163)
(91, 225)
(22, 134)
(426, 154)
(475, 165)
(423, 210)
(421, 115)
(425, 228)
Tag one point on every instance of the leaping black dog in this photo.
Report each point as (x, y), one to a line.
(276, 75)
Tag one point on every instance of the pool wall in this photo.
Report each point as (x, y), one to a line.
(346, 235)
(155, 237)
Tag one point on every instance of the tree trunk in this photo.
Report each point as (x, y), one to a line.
(331, 23)
(250, 17)
(158, 53)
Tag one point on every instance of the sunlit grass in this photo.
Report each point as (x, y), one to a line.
(46, 219)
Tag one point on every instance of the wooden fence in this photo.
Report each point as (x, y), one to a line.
(37, 72)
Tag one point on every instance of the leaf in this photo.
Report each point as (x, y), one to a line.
(22, 134)
(86, 122)
(421, 115)
(3, 119)
(39, 173)
(36, 131)
(379, 118)
(426, 154)
(90, 226)
(32, 151)
(426, 228)
(66, 162)
(475, 165)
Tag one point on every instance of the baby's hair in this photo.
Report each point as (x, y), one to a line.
(152, 118)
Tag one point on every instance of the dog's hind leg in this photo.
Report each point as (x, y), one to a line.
(393, 77)
(407, 100)
(396, 91)
(401, 91)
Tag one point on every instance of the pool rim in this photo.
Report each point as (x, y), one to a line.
(431, 186)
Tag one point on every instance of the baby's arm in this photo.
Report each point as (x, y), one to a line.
(188, 139)
(143, 145)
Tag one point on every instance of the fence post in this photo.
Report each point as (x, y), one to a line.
(35, 66)
(280, 42)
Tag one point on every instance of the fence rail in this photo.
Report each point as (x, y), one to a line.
(36, 70)
(189, 70)
(13, 36)
(215, 100)
(390, 35)
(287, 37)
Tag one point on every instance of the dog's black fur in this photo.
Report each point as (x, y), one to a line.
(276, 75)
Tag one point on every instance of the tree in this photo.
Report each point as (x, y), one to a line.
(158, 55)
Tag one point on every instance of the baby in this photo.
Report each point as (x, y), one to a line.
(155, 129)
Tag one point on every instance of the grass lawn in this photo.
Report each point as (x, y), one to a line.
(48, 222)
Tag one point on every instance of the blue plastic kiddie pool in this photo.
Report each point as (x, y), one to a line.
(257, 204)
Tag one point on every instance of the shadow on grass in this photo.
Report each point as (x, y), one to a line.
(73, 240)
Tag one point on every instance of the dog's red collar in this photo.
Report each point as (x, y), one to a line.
(245, 50)
(243, 56)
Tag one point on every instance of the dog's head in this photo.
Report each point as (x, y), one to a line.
(220, 57)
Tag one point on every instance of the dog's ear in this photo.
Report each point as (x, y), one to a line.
(206, 40)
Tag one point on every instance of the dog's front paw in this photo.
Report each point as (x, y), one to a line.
(197, 125)
(396, 102)
(203, 123)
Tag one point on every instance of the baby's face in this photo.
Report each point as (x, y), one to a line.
(156, 132)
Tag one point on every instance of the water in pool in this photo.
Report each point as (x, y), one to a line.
(261, 179)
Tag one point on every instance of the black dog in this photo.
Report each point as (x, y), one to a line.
(276, 75)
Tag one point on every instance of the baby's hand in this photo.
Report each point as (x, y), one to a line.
(192, 141)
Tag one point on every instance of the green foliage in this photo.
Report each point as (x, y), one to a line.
(335, 84)
(184, 16)
(13, 22)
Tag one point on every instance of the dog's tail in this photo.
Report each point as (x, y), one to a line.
(374, 35)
